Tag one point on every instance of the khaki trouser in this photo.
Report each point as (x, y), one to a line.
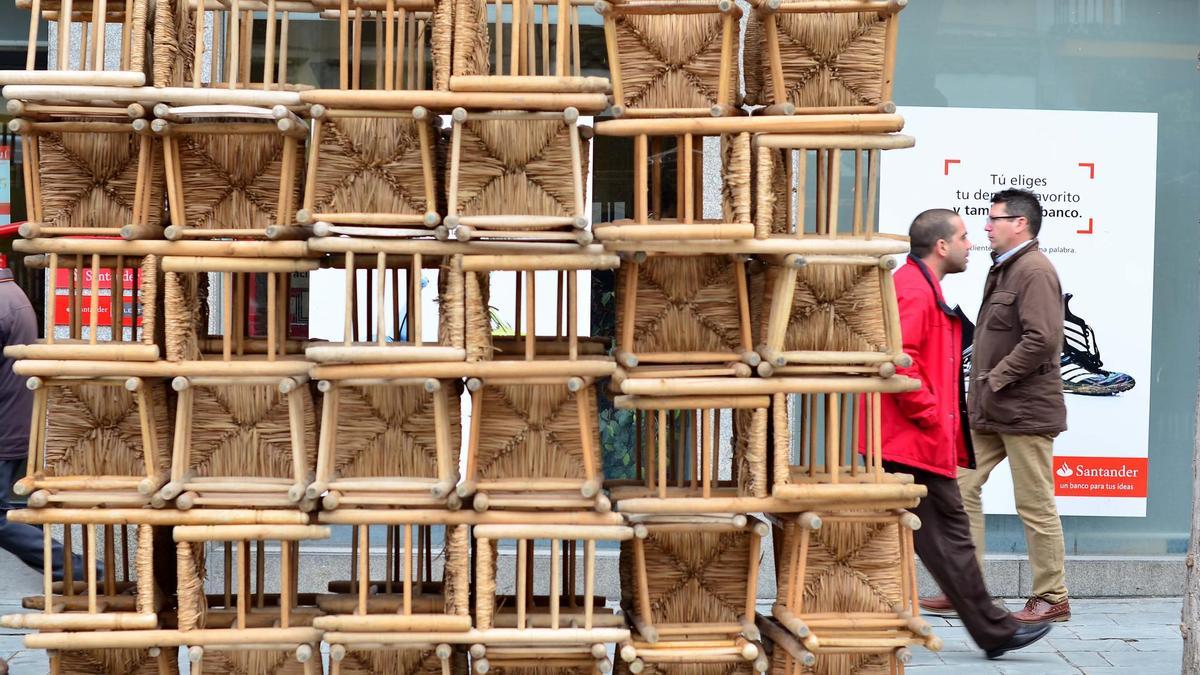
(1031, 459)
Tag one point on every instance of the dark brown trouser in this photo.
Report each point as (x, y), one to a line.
(945, 546)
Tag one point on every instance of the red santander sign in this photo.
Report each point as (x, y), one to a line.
(1100, 476)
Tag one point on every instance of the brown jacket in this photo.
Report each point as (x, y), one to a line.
(1016, 384)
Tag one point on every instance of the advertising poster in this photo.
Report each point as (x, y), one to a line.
(62, 297)
(1095, 175)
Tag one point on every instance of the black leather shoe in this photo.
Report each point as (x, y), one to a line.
(1026, 635)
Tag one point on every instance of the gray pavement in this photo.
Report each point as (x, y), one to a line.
(1137, 636)
(1118, 637)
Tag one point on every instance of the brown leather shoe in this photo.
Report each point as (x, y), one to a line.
(939, 605)
(1038, 610)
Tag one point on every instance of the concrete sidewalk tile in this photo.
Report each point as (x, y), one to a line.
(29, 662)
(952, 633)
(924, 657)
(1034, 663)
(1149, 662)
(1149, 632)
(967, 662)
(1084, 616)
(1122, 671)
(950, 670)
(1087, 659)
(956, 645)
(1174, 645)
(1070, 645)
(1059, 668)
(1144, 619)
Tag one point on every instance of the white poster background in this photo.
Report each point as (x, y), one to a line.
(962, 153)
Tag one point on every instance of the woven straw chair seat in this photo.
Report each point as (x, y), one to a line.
(244, 431)
(517, 167)
(834, 308)
(671, 61)
(232, 181)
(531, 431)
(685, 304)
(118, 662)
(388, 431)
(693, 577)
(829, 60)
(406, 661)
(90, 179)
(95, 430)
(369, 165)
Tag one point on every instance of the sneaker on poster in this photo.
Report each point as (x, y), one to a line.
(1082, 370)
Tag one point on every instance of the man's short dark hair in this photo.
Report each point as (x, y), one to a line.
(1022, 203)
(928, 228)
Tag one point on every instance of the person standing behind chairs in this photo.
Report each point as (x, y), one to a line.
(925, 435)
(18, 326)
(1016, 395)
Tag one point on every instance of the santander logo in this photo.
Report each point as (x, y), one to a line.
(1101, 476)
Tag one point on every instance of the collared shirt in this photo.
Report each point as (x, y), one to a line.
(1011, 252)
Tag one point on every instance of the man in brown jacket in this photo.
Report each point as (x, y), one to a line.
(1016, 396)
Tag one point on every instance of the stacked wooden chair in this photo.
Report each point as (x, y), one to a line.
(455, 443)
(780, 311)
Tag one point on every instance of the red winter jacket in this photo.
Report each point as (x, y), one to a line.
(925, 429)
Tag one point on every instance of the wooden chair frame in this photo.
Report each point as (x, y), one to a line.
(326, 221)
(76, 346)
(378, 491)
(409, 599)
(174, 123)
(767, 12)
(70, 599)
(790, 657)
(535, 492)
(92, 604)
(509, 226)
(830, 465)
(250, 618)
(557, 70)
(190, 490)
(403, 35)
(271, 356)
(683, 363)
(689, 224)
(565, 660)
(653, 641)
(230, 49)
(726, 102)
(89, 69)
(383, 272)
(832, 632)
(76, 490)
(779, 296)
(544, 356)
(794, 151)
(685, 451)
(537, 623)
(446, 653)
(37, 119)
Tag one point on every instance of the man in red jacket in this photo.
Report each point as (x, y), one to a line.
(924, 431)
